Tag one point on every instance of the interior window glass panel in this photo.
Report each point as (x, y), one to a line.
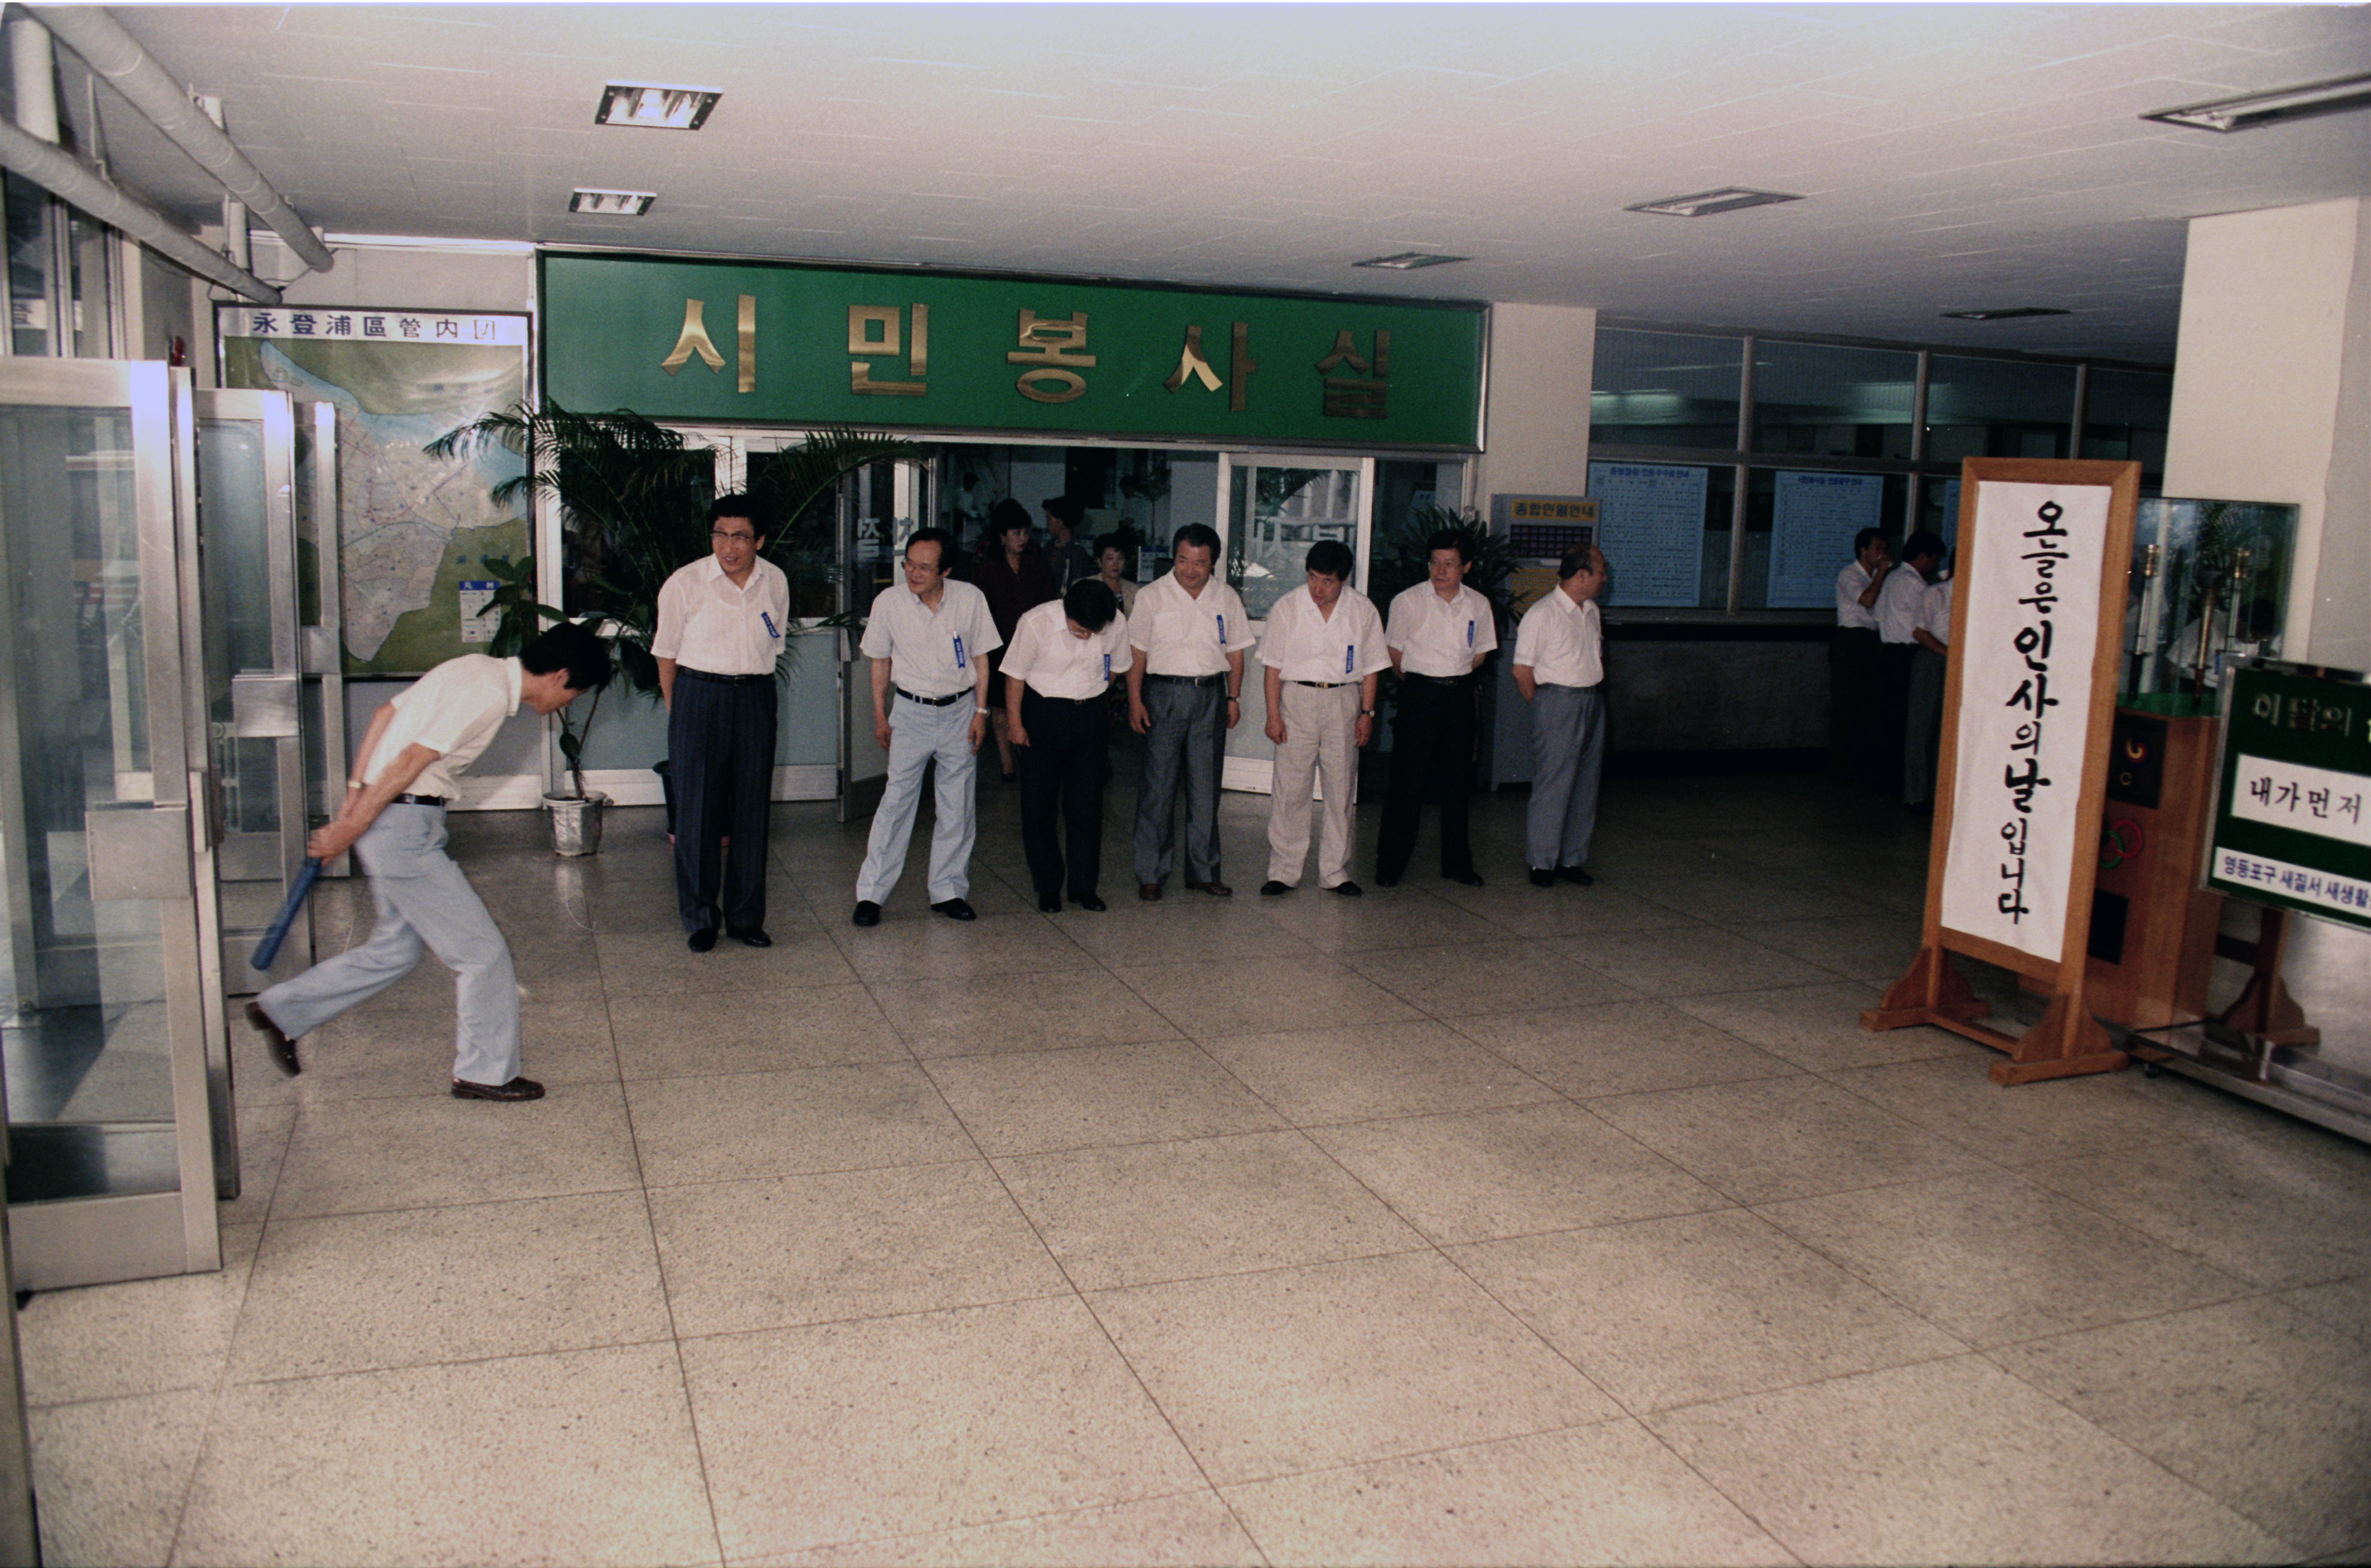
(1981, 408)
(2125, 413)
(1665, 389)
(1818, 400)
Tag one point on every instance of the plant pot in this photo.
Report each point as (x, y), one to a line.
(575, 823)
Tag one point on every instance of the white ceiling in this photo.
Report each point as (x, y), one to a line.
(1952, 155)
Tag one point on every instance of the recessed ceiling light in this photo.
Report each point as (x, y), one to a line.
(655, 106)
(1409, 260)
(2008, 312)
(2252, 109)
(1704, 204)
(612, 203)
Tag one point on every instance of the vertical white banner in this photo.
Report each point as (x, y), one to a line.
(2025, 654)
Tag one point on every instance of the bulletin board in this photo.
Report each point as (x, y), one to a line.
(2291, 829)
(1813, 518)
(1651, 524)
(2028, 702)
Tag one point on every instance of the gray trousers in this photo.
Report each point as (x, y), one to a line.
(1567, 755)
(1188, 739)
(1321, 740)
(919, 735)
(425, 905)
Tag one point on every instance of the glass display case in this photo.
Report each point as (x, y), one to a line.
(2210, 586)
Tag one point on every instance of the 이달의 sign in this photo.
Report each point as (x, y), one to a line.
(2293, 812)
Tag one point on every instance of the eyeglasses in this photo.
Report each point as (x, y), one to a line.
(737, 538)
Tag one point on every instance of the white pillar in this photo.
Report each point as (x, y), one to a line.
(2272, 400)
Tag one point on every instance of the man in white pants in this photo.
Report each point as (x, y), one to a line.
(1559, 668)
(1322, 651)
(394, 818)
(929, 639)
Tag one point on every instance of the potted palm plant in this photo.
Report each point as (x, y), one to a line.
(633, 506)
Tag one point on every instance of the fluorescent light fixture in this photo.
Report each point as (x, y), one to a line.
(612, 203)
(655, 106)
(2250, 109)
(1704, 204)
(1409, 260)
(2009, 313)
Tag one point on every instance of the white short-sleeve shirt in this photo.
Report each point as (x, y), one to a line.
(1898, 604)
(1301, 645)
(1851, 583)
(1561, 643)
(706, 623)
(1188, 634)
(931, 653)
(1935, 613)
(1052, 662)
(1438, 637)
(453, 710)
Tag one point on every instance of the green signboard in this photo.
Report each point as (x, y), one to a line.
(2291, 822)
(739, 342)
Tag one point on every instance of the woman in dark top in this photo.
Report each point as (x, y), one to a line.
(1014, 574)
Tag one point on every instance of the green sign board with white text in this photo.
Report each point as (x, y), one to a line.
(2293, 812)
(739, 342)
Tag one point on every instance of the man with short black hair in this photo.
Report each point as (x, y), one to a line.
(1439, 634)
(1072, 556)
(1560, 666)
(721, 622)
(1057, 673)
(1322, 651)
(929, 639)
(1184, 692)
(404, 773)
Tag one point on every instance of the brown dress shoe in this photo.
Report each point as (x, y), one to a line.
(1214, 887)
(517, 1088)
(1148, 892)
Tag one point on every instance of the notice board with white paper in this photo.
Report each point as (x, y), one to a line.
(2029, 697)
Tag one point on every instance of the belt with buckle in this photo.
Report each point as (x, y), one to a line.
(419, 801)
(1326, 686)
(1218, 679)
(713, 677)
(933, 701)
(1436, 680)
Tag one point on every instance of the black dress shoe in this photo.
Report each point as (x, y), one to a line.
(867, 913)
(1462, 878)
(1543, 878)
(1274, 889)
(1576, 876)
(1346, 889)
(955, 909)
(1050, 904)
(1148, 892)
(702, 939)
(1089, 902)
(753, 936)
(1384, 880)
(1214, 887)
(517, 1088)
(283, 1050)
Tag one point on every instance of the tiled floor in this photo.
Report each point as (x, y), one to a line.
(1444, 1226)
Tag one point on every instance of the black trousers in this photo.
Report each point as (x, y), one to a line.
(1062, 771)
(720, 757)
(1432, 753)
(1855, 658)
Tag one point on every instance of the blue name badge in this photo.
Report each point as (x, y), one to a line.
(1222, 630)
(959, 655)
(771, 630)
(1350, 659)
(1469, 634)
(1106, 666)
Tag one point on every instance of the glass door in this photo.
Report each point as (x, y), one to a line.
(247, 559)
(105, 1024)
(1273, 506)
(320, 618)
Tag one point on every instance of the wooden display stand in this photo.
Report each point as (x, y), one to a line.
(2152, 938)
(1996, 542)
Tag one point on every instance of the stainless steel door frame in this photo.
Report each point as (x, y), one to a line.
(240, 698)
(148, 855)
(322, 643)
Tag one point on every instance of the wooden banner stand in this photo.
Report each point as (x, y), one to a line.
(2067, 1041)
